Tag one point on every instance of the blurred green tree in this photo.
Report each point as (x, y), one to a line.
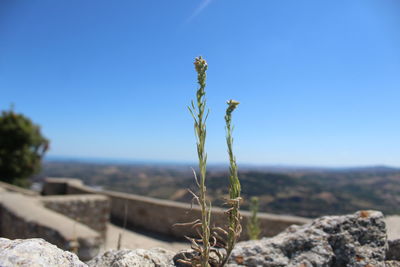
(22, 148)
(253, 225)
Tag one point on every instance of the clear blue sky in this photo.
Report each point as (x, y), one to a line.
(318, 81)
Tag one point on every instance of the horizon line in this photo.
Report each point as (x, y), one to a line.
(124, 161)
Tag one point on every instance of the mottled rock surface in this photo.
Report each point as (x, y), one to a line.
(156, 257)
(35, 253)
(393, 252)
(356, 240)
(392, 263)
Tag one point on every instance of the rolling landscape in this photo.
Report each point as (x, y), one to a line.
(278, 119)
(308, 192)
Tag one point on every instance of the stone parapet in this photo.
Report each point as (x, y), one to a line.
(17, 189)
(91, 210)
(25, 217)
(58, 186)
(159, 216)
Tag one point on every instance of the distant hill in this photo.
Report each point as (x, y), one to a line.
(308, 192)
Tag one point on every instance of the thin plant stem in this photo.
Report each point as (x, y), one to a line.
(234, 226)
(198, 113)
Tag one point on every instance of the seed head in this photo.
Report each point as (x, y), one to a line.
(200, 64)
(232, 104)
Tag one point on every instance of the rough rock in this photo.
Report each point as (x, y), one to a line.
(156, 257)
(35, 253)
(356, 240)
(392, 263)
(393, 252)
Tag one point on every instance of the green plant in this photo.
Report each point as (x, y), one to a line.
(200, 117)
(215, 245)
(22, 147)
(234, 226)
(253, 225)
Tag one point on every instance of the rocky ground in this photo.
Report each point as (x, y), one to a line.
(358, 240)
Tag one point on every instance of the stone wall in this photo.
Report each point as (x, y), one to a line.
(160, 215)
(91, 210)
(17, 189)
(58, 186)
(22, 216)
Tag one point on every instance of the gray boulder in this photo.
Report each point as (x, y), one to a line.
(156, 257)
(393, 252)
(392, 263)
(35, 253)
(355, 240)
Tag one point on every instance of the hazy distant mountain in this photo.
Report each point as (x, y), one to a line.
(303, 191)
